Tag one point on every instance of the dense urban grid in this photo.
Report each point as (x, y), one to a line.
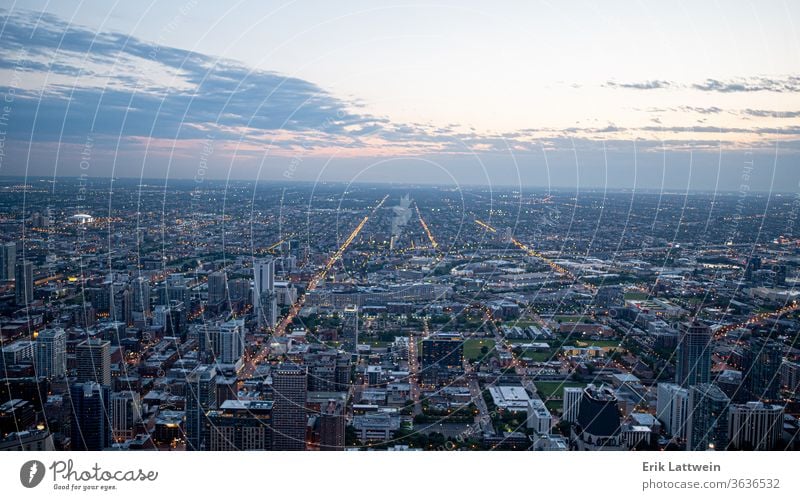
(204, 315)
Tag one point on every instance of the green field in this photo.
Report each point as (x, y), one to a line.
(472, 347)
(548, 390)
(533, 355)
(635, 296)
(598, 343)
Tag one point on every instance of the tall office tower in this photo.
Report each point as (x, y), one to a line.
(264, 301)
(217, 289)
(51, 353)
(755, 426)
(201, 397)
(8, 260)
(289, 384)
(23, 283)
(140, 299)
(227, 340)
(91, 429)
(572, 401)
(350, 329)
(93, 357)
(672, 409)
(121, 303)
(694, 355)
(707, 427)
(240, 426)
(761, 365)
(331, 426)
(126, 414)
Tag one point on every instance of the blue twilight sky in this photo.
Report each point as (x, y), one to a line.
(569, 94)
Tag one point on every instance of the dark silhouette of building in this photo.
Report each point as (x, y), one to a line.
(694, 355)
(23, 283)
(708, 418)
(91, 420)
(331, 426)
(761, 364)
(201, 397)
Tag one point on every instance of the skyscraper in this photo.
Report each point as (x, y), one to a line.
(140, 299)
(672, 408)
(91, 429)
(201, 396)
(23, 283)
(227, 340)
(289, 386)
(265, 304)
(51, 353)
(572, 401)
(126, 413)
(708, 418)
(8, 260)
(755, 426)
(761, 364)
(331, 426)
(350, 328)
(694, 355)
(217, 289)
(93, 357)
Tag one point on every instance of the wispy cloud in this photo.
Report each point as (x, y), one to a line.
(646, 85)
(755, 84)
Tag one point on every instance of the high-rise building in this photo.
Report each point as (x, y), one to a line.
(761, 365)
(91, 418)
(264, 300)
(694, 355)
(707, 426)
(140, 298)
(8, 260)
(598, 425)
(672, 409)
(227, 341)
(126, 413)
(289, 388)
(51, 353)
(217, 289)
(93, 358)
(350, 328)
(755, 426)
(23, 283)
(240, 426)
(201, 397)
(331, 426)
(572, 401)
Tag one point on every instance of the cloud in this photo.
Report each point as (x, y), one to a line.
(754, 84)
(765, 113)
(646, 85)
(750, 84)
(113, 85)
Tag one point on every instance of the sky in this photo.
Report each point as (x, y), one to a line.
(634, 95)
